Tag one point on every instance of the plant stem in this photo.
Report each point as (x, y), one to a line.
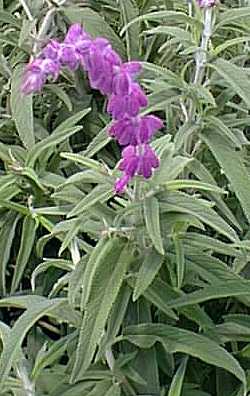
(200, 61)
(27, 10)
(201, 55)
(44, 29)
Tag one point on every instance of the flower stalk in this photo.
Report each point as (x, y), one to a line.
(201, 55)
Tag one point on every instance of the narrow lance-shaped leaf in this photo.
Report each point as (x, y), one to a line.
(152, 219)
(22, 111)
(19, 331)
(180, 260)
(232, 288)
(129, 10)
(61, 133)
(233, 166)
(147, 272)
(6, 239)
(177, 382)
(26, 245)
(235, 76)
(175, 339)
(105, 289)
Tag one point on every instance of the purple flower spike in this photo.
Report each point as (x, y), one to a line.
(113, 78)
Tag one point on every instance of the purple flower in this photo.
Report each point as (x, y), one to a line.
(52, 51)
(124, 76)
(121, 184)
(136, 160)
(100, 61)
(134, 131)
(74, 34)
(121, 106)
(36, 74)
(206, 3)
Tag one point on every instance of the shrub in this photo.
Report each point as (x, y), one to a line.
(141, 290)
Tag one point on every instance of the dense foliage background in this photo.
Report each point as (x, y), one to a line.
(147, 293)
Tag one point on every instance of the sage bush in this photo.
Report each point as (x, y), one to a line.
(124, 198)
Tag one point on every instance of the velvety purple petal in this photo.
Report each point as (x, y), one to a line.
(121, 184)
(122, 84)
(133, 68)
(52, 50)
(32, 82)
(69, 57)
(51, 68)
(74, 33)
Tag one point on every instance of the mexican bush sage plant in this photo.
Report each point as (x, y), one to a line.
(137, 285)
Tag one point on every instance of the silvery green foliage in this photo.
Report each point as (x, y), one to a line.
(146, 293)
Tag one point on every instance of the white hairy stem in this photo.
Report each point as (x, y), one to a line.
(201, 55)
(27, 10)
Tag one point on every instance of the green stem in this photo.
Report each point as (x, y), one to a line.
(200, 61)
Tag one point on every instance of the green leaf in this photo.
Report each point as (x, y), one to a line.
(102, 251)
(180, 34)
(26, 245)
(61, 133)
(203, 174)
(173, 16)
(100, 389)
(159, 293)
(47, 357)
(100, 193)
(7, 235)
(180, 260)
(98, 142)
(228, 43)
(234, 288)
(147, 272)
(19, 331)
(177, 382)
(232, 15)
(22, 110)
(152, 219)
(233, 166)
(175, 340)
(170, 168)
(194, 184)
(6, 17)
(85, 161)
(65, 265)
(105, 290)
(180, 202)
(95, 25)
(129, 11)
(235, 76)
(115, 390)
(61, 94)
